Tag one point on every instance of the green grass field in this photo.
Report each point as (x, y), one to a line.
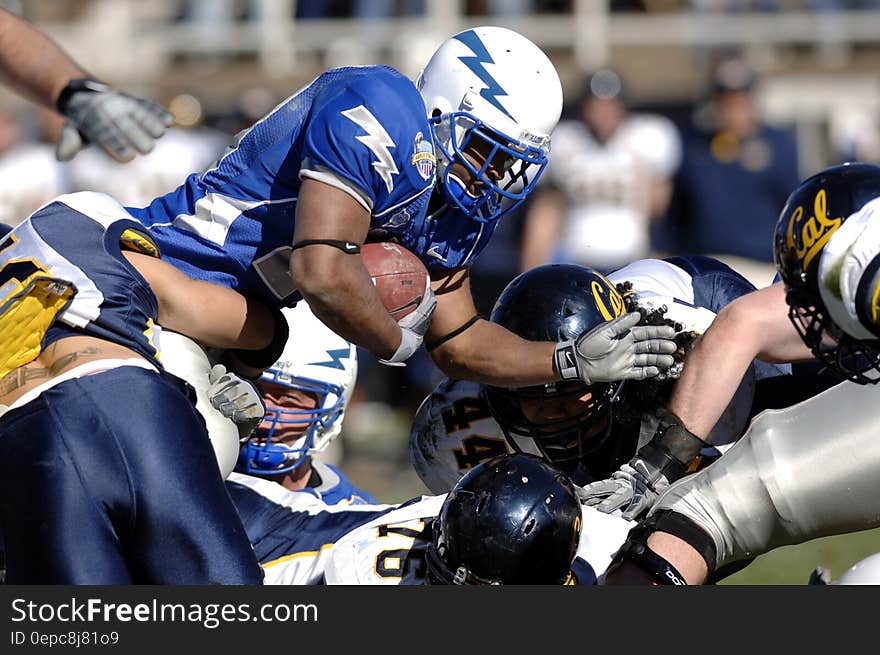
(793, 564)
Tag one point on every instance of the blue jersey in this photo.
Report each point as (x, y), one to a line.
(292, 531)
(363, 130)
(75, 244)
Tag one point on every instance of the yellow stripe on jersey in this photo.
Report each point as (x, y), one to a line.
(131, 240)
(287, 558)
(149, 333)
(26, 312)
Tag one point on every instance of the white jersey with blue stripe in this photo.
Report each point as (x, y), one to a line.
(363, 130)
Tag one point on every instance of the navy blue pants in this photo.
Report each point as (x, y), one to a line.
(111, 479)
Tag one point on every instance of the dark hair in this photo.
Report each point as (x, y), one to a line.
(649, 395)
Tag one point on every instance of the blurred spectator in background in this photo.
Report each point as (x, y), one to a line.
(387, 8)
(735, 176)
(609, 177)
(31, 175)
(34, 66)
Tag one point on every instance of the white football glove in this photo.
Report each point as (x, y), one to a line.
(413, 328)
(118, 122)
(617, 350)
(237, 399)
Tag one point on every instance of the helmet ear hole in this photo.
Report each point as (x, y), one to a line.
(436, 113)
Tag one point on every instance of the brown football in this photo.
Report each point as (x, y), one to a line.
(399, 276)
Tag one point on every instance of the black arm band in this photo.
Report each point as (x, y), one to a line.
(635, 551)
(666, 520)
(348, 247)
(439, 341)
(265, 357)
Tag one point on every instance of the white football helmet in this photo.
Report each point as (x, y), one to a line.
(864, 572)
(316, 360)
(490, 86)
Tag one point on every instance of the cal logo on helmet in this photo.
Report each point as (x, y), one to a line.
(807, 234)
(608, 299)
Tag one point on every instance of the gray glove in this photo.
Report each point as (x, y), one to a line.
(617, 350)
(413, 328)
(237, 399)
(118, 122)
(635, 487)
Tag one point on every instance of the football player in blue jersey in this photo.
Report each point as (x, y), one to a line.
(106, 472)
(306, 393)
(363, 153)
(806, 471)
(588, 431)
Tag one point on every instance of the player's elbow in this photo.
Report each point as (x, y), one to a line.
(316, 274)
(737, 325)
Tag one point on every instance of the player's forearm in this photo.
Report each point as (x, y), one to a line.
(31, 62)
(711, 375)
(219, 317)
(686, 560)
(203, 311)
(752, 326)
(341, 294)
(491, 354)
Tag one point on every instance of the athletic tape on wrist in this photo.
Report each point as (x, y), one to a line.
(566, 360)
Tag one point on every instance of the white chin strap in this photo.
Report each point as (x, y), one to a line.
(848, 252)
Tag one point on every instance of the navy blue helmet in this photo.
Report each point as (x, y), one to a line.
(554, 303)
(513, 519)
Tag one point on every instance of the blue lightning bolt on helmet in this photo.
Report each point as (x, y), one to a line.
(316, 361)
(491, 89)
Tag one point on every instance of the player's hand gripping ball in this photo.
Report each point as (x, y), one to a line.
(399, 276)
(404, 287)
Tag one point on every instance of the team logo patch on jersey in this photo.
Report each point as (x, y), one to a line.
(423, 157)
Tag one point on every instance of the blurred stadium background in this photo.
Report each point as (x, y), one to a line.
(221, 64)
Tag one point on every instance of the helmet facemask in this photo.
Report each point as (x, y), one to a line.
(263, 453)
(501, 169)
(567, 442)
(855, 359)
